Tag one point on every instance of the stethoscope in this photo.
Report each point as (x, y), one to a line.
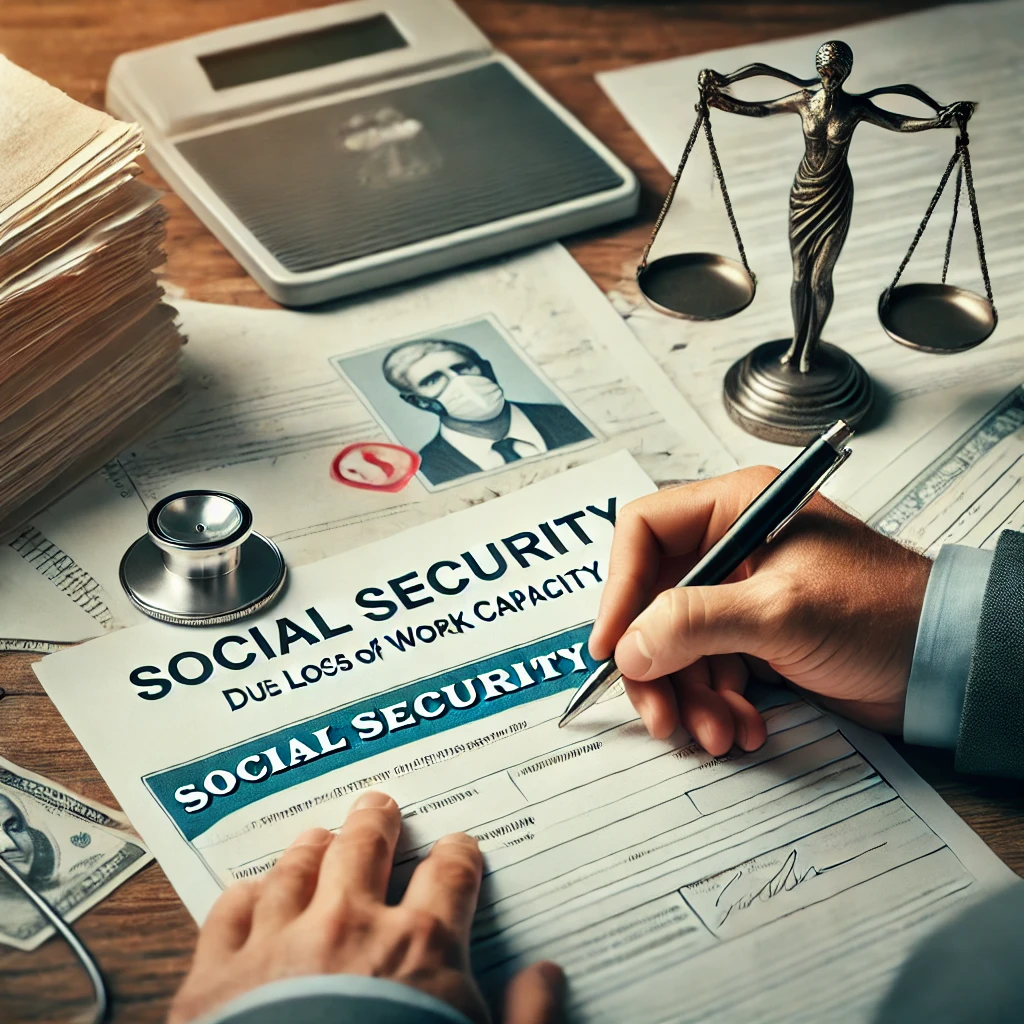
(99, 988)
(198, 564)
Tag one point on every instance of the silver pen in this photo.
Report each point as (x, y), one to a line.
(759, 523)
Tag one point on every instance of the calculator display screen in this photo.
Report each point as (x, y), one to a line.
(302, 52)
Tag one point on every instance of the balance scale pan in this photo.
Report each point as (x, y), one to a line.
(936, 317)
(696, 285)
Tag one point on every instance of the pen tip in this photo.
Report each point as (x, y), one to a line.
(838, 434)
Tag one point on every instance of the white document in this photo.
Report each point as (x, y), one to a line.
(969, 51)
(275, 397)
(788, 883)
(971, 489)
(35, 616)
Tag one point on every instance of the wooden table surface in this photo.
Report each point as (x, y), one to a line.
(142, 935)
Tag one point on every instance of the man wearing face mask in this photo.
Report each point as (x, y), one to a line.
(479, 428)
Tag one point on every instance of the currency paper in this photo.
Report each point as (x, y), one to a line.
(72, 851)
(284, 409)
(971, 489)
(966, 51)
(787, 883)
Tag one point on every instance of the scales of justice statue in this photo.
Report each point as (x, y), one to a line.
(791, 389)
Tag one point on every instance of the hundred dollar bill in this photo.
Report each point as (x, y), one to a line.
(71, 850)
(13, 645)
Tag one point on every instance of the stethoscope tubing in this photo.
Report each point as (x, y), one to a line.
(78, 947)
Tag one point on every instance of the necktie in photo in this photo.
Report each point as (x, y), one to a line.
(506, 449)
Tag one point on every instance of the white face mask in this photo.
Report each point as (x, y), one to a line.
(472, 398)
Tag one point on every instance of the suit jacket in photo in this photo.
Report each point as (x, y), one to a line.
(557, 426)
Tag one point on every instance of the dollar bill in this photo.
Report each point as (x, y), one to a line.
(72, 851)
(14, 645)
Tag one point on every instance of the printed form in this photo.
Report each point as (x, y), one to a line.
(969, 491)
(784, 884)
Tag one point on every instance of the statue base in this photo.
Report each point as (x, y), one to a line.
(775, 402)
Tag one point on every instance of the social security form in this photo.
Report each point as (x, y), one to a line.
(788, 883)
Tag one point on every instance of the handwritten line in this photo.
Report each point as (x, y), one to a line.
(786, 879)
(64, 573)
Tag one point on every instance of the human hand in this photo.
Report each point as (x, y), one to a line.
(321, 910)
(830, 605)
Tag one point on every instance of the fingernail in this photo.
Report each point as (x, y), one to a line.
(554, 977)
(741, 734)
(372, 799)
(457, 839)
(633, 656)
(645, 709)
(706, 732)
(312, 837)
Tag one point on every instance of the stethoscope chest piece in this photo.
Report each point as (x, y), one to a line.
(200, 563)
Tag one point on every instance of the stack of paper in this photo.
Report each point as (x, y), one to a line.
(88, 349)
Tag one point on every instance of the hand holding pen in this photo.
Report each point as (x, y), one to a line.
(829, 605)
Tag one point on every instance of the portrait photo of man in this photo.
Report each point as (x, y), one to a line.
(462, 413)
(478, 427)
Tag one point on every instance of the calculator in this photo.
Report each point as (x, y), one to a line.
(365, 143)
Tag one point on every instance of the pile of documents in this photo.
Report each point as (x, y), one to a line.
(89, 352)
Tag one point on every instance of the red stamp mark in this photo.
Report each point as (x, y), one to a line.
(375, 466)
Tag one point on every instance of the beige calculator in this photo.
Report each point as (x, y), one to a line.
(365, 143)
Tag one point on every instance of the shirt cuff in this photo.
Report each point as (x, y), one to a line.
(352, 986)
(945, 645)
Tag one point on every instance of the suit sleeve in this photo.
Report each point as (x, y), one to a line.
(968, 972)
(335, 999)
(991, 737)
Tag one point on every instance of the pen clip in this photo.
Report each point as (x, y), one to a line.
(815, 487)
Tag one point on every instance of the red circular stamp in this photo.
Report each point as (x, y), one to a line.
(375, 466)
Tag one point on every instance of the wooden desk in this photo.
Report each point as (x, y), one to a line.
(142, 935)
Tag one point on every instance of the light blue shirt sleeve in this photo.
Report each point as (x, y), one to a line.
(944, 646)
(335, 999)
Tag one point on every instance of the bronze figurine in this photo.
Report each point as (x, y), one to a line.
(790, 389)
(821, 200)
